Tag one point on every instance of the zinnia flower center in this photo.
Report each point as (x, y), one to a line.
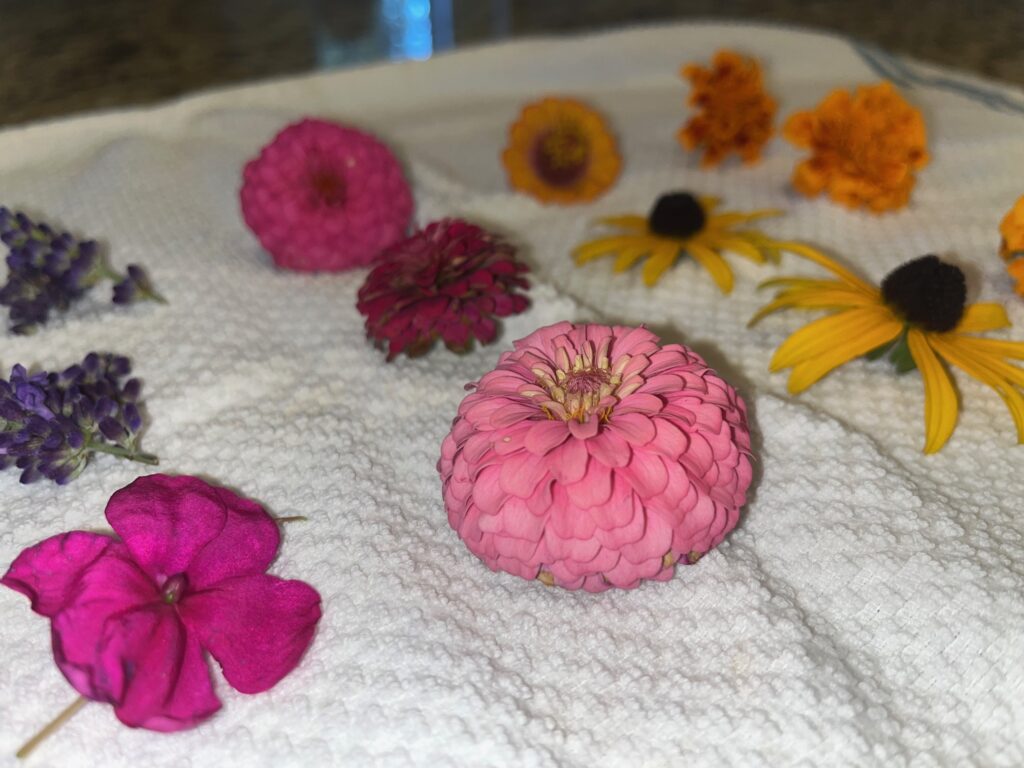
(927, 292)
(582, 385)
(173, 589)
(561, 154)
(678, 215)
(328, 187)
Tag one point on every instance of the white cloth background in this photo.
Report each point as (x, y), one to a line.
(867, 611)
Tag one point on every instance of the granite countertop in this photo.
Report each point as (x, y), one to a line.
(66, 56)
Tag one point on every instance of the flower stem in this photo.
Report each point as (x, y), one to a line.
(124, 453)
(51, 727)
(152, 295)
(291, 519)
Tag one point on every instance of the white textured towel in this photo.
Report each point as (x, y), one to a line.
(869, 610)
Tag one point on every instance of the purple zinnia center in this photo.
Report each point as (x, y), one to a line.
(560, 155)
(328, 187)
(586, 381)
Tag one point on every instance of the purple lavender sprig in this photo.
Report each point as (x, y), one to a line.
(52, 423)
(47, 271)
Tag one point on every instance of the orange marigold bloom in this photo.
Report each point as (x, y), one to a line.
(561, 151)
(736, 114)
(865, 148)
(1012, 246)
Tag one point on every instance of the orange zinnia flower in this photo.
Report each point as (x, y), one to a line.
(864, 147)
(1012, 246)
(561, 151)
(736, 113)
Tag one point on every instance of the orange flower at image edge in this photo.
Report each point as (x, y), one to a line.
(736, 114)
(865, 148)
(1012, 246)
(561, 151)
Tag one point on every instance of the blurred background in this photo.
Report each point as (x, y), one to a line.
(65, 56)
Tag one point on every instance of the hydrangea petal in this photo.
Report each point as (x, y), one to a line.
(156, 669)
(246, 545)
(112, 585)
(256, 627)
(48, 573)
(165, 521)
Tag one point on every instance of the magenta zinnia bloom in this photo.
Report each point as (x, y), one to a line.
(323, 196)
(449, 282)
(592, 457)
(132, 617)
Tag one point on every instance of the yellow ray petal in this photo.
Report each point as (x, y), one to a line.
(720, 221)
(800, 298)
(630, 222)
(983, 317)
(993, 347)
(940, 403)
(661, 259)
(804, 283)
(812, 254)
(822, 335)
(964, 360)
(763, 243)
(603, 246)
(713, 263)
(629, 256)
(709, 204)
(954, 352)
(737, 244)
(987, 352)
(813, 369)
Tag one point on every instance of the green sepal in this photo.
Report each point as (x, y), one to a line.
(900, 355)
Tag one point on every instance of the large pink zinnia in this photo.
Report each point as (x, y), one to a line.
(132, 617)
(592, 457)
(324, 196)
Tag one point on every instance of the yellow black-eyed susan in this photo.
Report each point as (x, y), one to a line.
(918, 317)
(679, 224)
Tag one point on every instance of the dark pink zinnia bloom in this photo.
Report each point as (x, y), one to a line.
(324, 196)
(449, 282)
(132, 617)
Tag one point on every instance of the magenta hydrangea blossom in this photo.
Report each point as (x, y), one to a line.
(325, 197)
(593, 457)
(132, 617)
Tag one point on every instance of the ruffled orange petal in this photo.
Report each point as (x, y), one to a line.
(865, 148)
(736, 114)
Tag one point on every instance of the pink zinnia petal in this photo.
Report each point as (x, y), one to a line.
(544, 436)
(257, 627)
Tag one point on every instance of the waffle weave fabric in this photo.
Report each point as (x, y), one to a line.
(869, 608)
